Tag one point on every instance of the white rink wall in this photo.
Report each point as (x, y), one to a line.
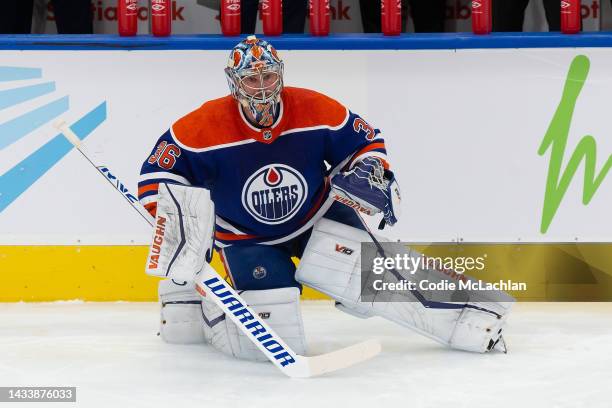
(463, 128)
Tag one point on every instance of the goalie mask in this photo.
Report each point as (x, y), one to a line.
(255, 76)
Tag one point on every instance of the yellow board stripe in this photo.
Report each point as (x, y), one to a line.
(554, 272)
(92, 273)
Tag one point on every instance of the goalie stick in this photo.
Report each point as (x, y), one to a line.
(211, 285)
(63, 127)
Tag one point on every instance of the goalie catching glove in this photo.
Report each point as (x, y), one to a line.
(369, 188)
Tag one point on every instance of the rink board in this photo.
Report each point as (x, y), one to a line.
(463, 118)
(42, 273)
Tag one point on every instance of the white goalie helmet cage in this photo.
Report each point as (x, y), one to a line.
(255, 77)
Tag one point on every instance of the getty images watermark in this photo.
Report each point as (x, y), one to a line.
(395, 272)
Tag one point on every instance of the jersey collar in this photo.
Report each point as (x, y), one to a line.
(263, 135)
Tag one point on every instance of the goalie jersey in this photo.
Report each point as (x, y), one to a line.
(268, 185)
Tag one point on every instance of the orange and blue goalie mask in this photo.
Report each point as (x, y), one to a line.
(255, 76)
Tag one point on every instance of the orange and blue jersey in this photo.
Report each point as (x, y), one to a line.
(268, 185)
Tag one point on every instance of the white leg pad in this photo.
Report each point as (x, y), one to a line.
(181, 313)
(278, 307)
(331, 264)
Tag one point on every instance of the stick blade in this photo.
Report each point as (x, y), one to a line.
(343, 358)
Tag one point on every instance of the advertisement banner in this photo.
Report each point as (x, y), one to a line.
(201, 16)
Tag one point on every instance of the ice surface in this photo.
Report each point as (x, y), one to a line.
(560, 355)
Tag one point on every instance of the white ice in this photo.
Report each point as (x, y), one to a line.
(560, 355)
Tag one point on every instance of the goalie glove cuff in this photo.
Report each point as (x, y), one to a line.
(369, 188)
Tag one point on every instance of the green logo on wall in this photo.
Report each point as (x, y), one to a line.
(556, 139)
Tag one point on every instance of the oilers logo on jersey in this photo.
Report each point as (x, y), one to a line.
(274, 193)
